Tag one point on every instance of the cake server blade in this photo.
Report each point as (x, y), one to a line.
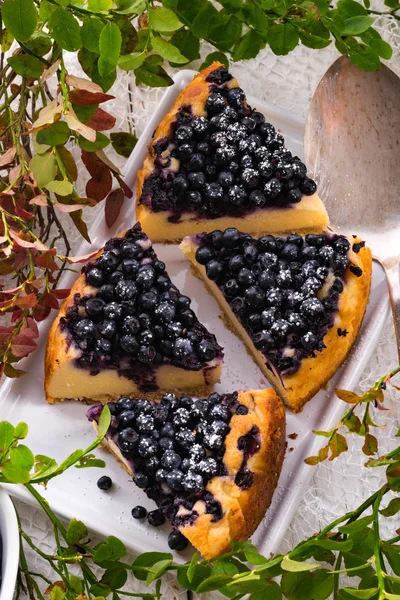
(352, 150)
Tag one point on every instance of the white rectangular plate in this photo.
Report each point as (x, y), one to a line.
(58, 430)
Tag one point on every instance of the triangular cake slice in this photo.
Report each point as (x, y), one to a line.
(126, 329)
(297, 302)
(211, 465)
(214, 162)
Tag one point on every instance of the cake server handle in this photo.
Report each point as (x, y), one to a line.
(392, 269)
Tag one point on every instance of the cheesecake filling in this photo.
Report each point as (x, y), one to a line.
(284, 292)
(176, 448)
(131, 318)
(224, 160)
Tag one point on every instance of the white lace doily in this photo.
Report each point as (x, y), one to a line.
(337, 487)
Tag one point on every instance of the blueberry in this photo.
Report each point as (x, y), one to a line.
(257, 198)
(182, 348)
(187, 318)
(219, 139)
(254, 296)
(139, 512)
(113, 310)
(207, 467)
(272, 188)
(95, 277)
(127, 440)
(249, 123)
(194, 199)
(337, 285)
(199, 126)
(147, 447)
(242, 410)
(219, 427)
(236, 97)
(131, 250)
(107, 328)
(193, 483)
(294, 196)
(196, 179)
(213, 441)
(326, 254)
(309, 268)
(106, 292)
(236, 263)
(125, 290)
(294, 299)
(144, 423)
(130, 266)
(311, 286)
(126, 419)
(250, 177)
(263, 340)
(215, 103)
(197, 452)
(185, 438)
(183, 134)
(185, 151)
(85, 328)
(289, 252)
(280, 329)
(231, 288)
(316, 240)
(143, 406)
(224, 155)
(104, 483)
(309, 340)
(206, 351)
(308, 186)
(254, 321)
(181, 417)
(268, 317)
(267, 243)
(220, 412)
(233, 166)
(203, 147)
(226, 179)
(214, 269)
(196, 163)
(245, 278)
(146, 354)
(266, 168)
(213, 192)
(231, 237)
(239, 306)
(170, 460)
(267, 280)
(312, 308)
(215, 237)
(94, 307)
(341, 245)
(173, 330)
(141, 480)
(296, 321)
(166, 443)
(145, 277)
(103, 346)
(125, 404)
(155, 518)
(204, 254)
(174, 480)
(340, 264)
(160, 475)
(151, 464)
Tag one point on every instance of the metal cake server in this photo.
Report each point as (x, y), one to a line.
(352, 149)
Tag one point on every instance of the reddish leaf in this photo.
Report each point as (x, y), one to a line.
(7, 157)
(46, 261)
(17, 315)
(127, 190)
(101, 183)
(61, 293)
(101, 120)
(113, 207)
(22, 345)
(21, 260)
(20, 212)
(346, 396)
(84, 97)
(50, 300)
(81, 259)
(20, 241)
(27, 301)
(69, 208)
(31, 324)
(80, 224)
(370, 445)
(41, 312)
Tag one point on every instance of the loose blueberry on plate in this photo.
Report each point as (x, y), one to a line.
(104, 483)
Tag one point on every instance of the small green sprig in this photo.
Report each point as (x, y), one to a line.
(350, 546)
(351, 423)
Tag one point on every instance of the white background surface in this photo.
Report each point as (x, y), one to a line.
(335, 487)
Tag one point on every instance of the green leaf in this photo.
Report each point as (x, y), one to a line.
(143, 563)
(89, 461)
(295, 566)
(392, 508)
(110, 45)
(6, 437)
(356, 25)
(76, 584)
(306, 585)
(356, 525)
(212, 583)
(88, 61)
(127, 7)
(76, 218)
(17, 468)
(65, 29)
(337, 445)
(98, 6)
(248, 46)
(123, 142)
(393, 476)
(328, 544)
(62, 188)
(205, 21)
(46, 10)
(364, 594)
(201, 573)
(101, 142)
(110, 550)
(167, 51)
(187, 44)
(57, 593)
(104, 422)
(283, 38)
(39, 43)
(352, 561)
(163, 20)
(129, 62)
(382, 48)
(152, 75)
(192, 566)
(114, 578)
(90, 33)
(76, 531)
(44, 167)
(370, 445)
(129, 35)
(85, 112)
(44, 466)
(26, 65)
(57, 134)
(19, 18)
(392, 553)
(272, 591)
(157, 570)
(215, 56)
(350, 8)
(20, 432)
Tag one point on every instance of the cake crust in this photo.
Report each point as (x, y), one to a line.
(315, 371)
(243, 508)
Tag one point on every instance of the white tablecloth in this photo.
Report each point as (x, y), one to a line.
(337, 487)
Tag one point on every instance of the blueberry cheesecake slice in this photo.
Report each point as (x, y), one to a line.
(211, 465)
(214, 162)
(297, 302)
(126, 329)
